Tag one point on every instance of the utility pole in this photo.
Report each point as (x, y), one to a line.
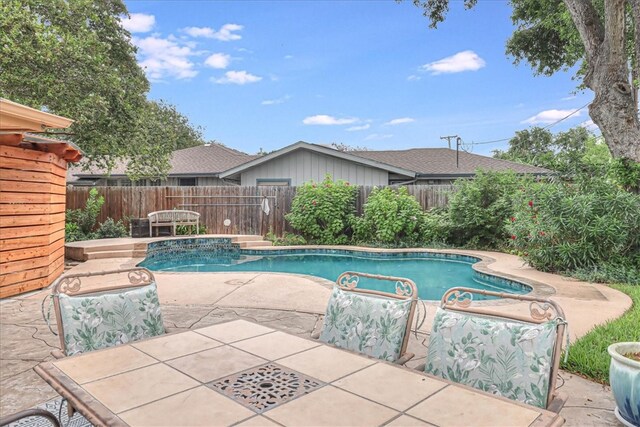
(449, 138)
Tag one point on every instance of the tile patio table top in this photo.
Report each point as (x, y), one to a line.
(245, 374)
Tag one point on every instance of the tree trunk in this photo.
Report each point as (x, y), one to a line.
(614, 108)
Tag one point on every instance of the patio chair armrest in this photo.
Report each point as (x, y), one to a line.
(559, 399)
(404, 358)
(421, 367)
(58, 354)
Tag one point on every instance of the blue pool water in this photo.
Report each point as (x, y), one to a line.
(432, 273)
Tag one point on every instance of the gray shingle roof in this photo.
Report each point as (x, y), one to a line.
(209, 159)
(442, 161)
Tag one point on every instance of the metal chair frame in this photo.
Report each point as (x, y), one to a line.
(541, 310)
(405, 289)
(71, 285)
(35, 412)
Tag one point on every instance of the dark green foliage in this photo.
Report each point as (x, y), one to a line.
(74, 58)
(324, 213)
(289, 239)
(590, 228)
(478, 208)
(85, 219)
(182, 230)
(436, 227)
(391, 216)
(111, 229)
(81, 223)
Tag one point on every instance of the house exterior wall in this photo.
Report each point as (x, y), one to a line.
(301, 166)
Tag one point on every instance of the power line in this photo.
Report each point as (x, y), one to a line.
(493, 141)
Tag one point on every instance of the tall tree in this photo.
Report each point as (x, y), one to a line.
(161, 129)
(603, 34)
(73, 58)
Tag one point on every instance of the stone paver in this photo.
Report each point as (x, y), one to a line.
(286, 302)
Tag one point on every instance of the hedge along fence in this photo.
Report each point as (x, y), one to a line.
(241, 205)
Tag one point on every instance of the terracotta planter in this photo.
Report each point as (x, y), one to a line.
(624, 376)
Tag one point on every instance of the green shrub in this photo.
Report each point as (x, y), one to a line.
(289, 239)
(86, 219)
(478, 208)
(436, 227)
(390, 217)
(112, 229)
(324, 213)
(183, 230)
(72, 233)
(590, 229)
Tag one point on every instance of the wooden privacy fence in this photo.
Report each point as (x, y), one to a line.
(241, 205)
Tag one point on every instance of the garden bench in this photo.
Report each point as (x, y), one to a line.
(172, 219)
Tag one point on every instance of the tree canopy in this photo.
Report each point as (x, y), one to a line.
(574, 153)
(74, 58)
(602, 36)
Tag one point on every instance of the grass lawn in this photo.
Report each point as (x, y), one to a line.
(588, 356)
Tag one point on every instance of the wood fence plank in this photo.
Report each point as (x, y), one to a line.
(24, 220)
(8, 197)
(31, 187)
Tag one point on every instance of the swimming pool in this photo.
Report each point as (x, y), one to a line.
(433, 273)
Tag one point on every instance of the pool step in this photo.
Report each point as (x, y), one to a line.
(254, 244)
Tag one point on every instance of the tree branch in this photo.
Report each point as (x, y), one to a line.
(586, 19)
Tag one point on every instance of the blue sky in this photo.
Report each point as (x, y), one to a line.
(262, 74)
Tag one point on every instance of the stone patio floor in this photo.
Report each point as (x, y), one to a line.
(291, 303)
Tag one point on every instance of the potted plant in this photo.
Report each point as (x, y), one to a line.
(624, 376)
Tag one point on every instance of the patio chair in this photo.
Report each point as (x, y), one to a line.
(120, 306)
(36, 412)
(374, 323)
(511, 355)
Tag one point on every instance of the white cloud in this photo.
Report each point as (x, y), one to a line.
(226, 33)
(568, 98)
(238, 78)
(288, 57)
(323, 119)
(357, 128)
(377, 136)
(400, 121)
(276, 101)
(466, 60)
(163, 58)
(218, 61)
(550, 116)
(590, 125)
(413, 78)
(138, 22)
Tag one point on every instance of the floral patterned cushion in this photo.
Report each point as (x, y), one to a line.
(371, 325)
(109, 319)
(504, 357)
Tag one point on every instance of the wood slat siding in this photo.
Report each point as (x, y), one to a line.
(32, 198)
(137, 202)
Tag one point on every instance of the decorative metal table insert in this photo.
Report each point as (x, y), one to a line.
(265, 387)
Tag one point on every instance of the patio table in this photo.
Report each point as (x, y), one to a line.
(247, 374)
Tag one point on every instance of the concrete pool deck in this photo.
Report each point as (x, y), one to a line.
(293, 303)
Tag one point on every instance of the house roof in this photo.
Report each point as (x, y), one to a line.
(322, 150)
(442, 162)
(207, 159)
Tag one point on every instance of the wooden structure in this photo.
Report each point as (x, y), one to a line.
(32, 198)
